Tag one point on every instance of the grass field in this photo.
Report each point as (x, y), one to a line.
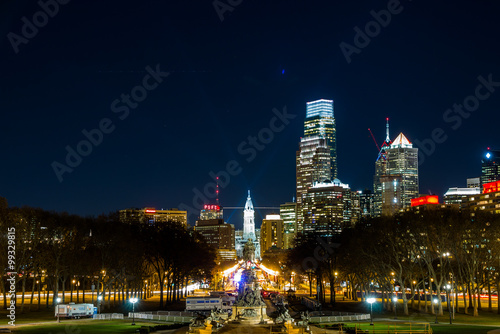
(82, 327)
(44, 322)
(436, 328)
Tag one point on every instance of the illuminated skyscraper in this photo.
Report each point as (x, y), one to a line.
(312, 165)
(400, 182)
(380, 169)
(490, 166)
(320, 121)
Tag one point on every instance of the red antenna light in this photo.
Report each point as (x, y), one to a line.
(217, 191)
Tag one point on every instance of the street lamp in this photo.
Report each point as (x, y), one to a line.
(99, 298)
(133, 300)
(58, 300)
(395, 300)
(370, 301)
(435, 300)
(448, 293)
(335, 274)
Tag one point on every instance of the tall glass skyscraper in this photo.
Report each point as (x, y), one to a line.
(312, 165)
(320, 121)
(397, 176)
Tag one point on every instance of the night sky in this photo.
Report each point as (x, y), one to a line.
(224, 79)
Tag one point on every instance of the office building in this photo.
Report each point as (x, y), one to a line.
(474, 182)
(396, 176)
(380, 170)
(490, 166)
(272, 233)
(488, 200)
(460, 196)
(153, 216)
(288, 212)
(428, 202)
(211, 211)
(312, 165)
(320, 121)
(366, 203)
(323, 208)
(216, 233)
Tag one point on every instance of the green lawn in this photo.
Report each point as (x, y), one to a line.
(82, 327)
(388, 327)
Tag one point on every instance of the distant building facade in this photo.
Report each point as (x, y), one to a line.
(272, 233)
(324, 206)
(153, 216)
(474, 182)
(460, 196)
(217, 233)
(490, 167)
(488, 201)
(288, 212)
(366, 203)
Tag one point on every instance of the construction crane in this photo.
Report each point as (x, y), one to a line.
(378, 147)
(387, 139)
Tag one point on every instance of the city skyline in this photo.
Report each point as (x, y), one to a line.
(222, 90)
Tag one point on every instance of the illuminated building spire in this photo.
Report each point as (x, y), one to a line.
(249, 220)
(387, 138)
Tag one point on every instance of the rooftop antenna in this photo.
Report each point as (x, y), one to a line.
(387, 138)
(217, 191)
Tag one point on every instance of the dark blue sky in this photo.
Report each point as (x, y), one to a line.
(225, 79)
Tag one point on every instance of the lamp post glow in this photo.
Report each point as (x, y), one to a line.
(99, 298)
(58, 300)
(435, 301)
(133, 300)
(448, 294)
(395, 300)
(370, 301)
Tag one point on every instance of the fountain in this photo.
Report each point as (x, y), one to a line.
(249, 308)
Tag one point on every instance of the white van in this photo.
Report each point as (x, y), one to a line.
(73, 310)
(206, 304)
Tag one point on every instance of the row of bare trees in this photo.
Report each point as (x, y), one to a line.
(57, 253)
(425, 254)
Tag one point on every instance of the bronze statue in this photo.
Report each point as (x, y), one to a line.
(249, 251)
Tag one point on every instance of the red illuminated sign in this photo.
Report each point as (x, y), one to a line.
(491, 187)
(431, 199)
(150, 211)
(211, 207)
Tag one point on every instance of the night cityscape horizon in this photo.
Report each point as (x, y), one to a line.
(267, 166)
